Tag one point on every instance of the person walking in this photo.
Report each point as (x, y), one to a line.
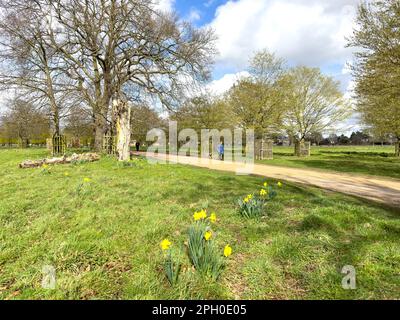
(221, 151)
(137, 146)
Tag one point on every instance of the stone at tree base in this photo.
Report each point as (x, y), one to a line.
(86, 157)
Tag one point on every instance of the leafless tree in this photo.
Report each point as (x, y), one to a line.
(23, 122)
(121, 48)
(103, 50)
(28, 63)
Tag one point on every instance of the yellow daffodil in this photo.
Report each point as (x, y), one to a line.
(266, 184)
(45, 166)
(263, 193)
(213, 218)
(196, 216)
(165, 245)
(280, 185)
(66, 174)
(87, 180)
(228, 251)
(248, 198)
(208, 235)
(200, 215)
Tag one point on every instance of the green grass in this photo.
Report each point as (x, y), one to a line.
(104, 239)
(378, 161)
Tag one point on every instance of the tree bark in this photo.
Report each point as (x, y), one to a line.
(100, 125)
(397, 148)
(53, 103)
(122, 112)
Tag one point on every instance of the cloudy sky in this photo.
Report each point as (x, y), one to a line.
(304, 32)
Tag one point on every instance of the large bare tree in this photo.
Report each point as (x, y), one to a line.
(114, 50)
(126, 48)
(29, 65)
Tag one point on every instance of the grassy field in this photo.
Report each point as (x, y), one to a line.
(103, 235)
(369, 160)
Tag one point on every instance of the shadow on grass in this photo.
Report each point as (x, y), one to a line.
(351, 166)
(358, 153)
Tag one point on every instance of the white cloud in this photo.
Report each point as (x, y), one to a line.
(222, 85)
(194, 15)
(310, 32)
(165, 5)
(350, 89)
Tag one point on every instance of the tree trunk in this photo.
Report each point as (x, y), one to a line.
(99, 131)
(23, 142)
(122, 113)
(51, 95)
(397, 148)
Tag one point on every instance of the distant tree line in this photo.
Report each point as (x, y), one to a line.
(357, 138)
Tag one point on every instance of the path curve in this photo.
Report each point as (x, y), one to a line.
(373, 188)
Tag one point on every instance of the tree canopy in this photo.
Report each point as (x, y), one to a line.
(377, 68)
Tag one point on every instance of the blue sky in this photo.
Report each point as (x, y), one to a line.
(303, 32)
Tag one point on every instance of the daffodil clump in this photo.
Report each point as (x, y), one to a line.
(253, 205)
(204, 254)
(84, 188)
(203, 251)
(172, 265)
(45, 169)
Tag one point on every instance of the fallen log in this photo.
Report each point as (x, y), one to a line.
(86, 157)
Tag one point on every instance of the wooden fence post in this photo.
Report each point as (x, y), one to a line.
(59, 145)
(109, 144)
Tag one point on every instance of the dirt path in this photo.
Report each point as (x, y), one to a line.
(373, 188)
